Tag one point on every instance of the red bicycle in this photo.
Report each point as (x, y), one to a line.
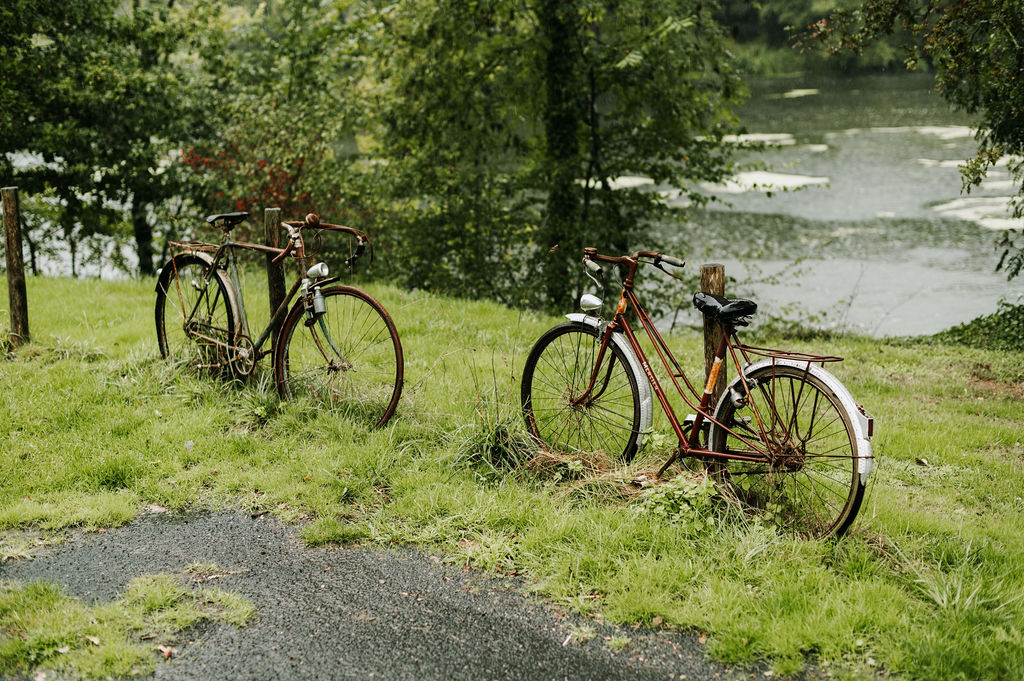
(785, 439)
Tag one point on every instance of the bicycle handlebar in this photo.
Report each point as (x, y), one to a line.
(591, 257)
(313, 220)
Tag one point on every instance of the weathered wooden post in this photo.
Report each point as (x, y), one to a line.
(712, 280)
(15, 267)
(275, 271)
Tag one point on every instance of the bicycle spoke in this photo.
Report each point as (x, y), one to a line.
(810, 484)
(559, 371)
(347, 358)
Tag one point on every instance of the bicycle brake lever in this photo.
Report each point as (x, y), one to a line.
(592, 266)
(674, 276)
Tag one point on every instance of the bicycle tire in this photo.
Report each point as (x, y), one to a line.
(557, 371)
(814, 488)
(200, 342)
(356, 366)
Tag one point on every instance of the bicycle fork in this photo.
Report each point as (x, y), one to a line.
(588, 396)
(316, 310)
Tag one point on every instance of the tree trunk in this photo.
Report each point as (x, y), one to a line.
(561, 128)
(143, 236)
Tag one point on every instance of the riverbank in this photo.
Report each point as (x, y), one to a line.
(95, 428)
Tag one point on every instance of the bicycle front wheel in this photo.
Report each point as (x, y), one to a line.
(558, 372)
(195, 320)
(812, 485)
(349, 357)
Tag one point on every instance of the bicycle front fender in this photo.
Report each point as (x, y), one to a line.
(860, 421)
(642, 384)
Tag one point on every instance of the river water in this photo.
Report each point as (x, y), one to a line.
(857, 220)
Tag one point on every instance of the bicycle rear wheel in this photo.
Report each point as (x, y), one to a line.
(558, 371)
(195, 319)
(350, 357)
(812, 487)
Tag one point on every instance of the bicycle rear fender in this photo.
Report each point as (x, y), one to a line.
(862, 436)
(642, 384)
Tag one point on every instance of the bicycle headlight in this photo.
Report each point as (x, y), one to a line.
(590, 302)
(317, 271)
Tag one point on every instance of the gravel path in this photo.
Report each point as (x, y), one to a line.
(353, 613)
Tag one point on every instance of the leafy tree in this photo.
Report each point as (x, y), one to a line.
(505, 124)
(53, 59)
(284, 135)
(764, 45)
(159, 101)
(96, 93)
(977, 50)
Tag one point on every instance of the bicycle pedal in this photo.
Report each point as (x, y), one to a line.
(691, 418)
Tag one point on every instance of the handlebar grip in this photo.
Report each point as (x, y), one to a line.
(592, 266)
(669, 260)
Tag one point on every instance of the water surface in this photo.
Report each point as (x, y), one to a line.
(885, 241)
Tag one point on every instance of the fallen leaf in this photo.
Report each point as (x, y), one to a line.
(156, 508)
(167, 651)
(95, 640)
(702, 639)
(657, 620)
(64, 650)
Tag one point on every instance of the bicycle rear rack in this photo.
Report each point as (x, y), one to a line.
(790, 355)
(194, 246)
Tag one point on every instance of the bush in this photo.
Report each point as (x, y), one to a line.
(1003, 330)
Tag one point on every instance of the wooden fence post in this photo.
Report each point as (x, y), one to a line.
(15, 267)
(275, 271)
(712, 280)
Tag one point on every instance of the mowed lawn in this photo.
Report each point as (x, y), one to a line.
(929, 584)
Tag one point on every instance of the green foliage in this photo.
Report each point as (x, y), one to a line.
(95, 106)
(1002, 330)
(762, 32)
(976, 50)
(285, 137)
(504, 126)
(687, 500)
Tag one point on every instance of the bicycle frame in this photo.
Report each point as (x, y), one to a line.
(700, 403)
(224, 253)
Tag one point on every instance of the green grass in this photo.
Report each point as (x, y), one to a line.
(928, 585)
(43, 628)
